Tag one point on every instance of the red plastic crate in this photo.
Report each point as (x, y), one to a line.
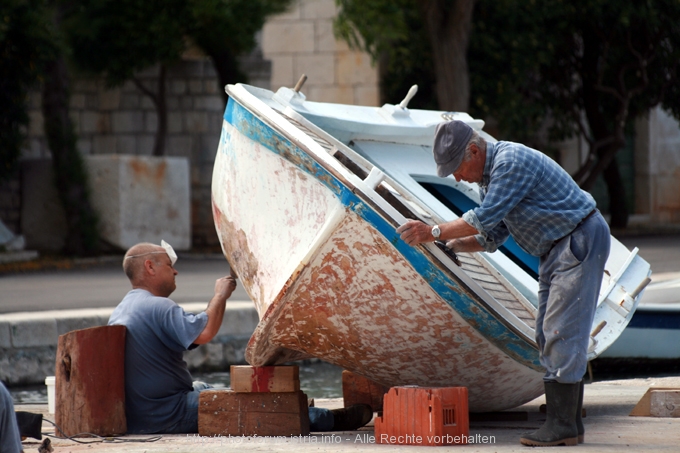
(424, 416)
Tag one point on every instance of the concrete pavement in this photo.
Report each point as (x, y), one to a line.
(608, 429)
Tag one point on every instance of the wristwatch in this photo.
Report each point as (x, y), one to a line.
(436, 232)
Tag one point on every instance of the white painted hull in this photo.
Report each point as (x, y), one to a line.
(314, 246)
(654, 331)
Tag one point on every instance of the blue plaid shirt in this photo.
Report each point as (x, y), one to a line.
(526, 194)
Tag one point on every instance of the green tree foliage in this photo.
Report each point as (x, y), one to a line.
(119, 38)
(588, 67)
(70, 174)
(25, 38)
(543, 70)
(393, 33)
(225, 29)
(422, 41)
(31, 51)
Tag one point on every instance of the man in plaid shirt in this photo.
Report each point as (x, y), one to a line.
(527, 195)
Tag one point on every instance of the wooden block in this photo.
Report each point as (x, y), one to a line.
(246, 378)
(225, 412)
(424, 416)
(357, 389)
(643, 407)
(664, 403)
(90, 381)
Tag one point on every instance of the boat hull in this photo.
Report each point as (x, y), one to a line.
(331, 279)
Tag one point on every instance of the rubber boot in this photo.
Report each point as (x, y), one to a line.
(560, 425)
(579, 409)
(351, 418)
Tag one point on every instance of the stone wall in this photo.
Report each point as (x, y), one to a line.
(302, 41)
(657, 165)
(124, 121)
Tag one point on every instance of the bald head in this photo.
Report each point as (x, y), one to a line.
(150, 267)
(133, 263)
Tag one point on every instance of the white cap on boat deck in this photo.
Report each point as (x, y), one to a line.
(450, 140)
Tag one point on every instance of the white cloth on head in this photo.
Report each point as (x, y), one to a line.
(170, 251)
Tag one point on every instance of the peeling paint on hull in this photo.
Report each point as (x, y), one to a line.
(341, 289)
(359, 305)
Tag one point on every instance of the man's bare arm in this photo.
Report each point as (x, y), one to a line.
(223, 288)
(415, 232)
(467, 244)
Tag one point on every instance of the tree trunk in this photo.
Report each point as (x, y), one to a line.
(162, 112)
(158, 99)
(618, 210)
(82, 237)
(227, 69)
(448, 24)
(607, 136)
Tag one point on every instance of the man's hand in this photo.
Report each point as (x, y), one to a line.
(224, 287)
(455, 245)
(467, 244)
(415, 232)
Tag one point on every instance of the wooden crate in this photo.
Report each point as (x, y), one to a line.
(357, 389)
(90, 381)
(246, 378)
(225, 412)
(424, 416)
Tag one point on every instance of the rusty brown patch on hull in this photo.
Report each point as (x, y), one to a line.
(235, 249)
(360, 305)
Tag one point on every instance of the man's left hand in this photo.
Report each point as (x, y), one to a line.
(415, 232)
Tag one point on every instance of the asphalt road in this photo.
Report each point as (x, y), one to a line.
(104, 285)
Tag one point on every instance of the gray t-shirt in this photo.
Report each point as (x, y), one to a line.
(156, 376)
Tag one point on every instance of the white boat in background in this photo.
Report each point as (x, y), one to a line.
(653, 334)
(306, 200)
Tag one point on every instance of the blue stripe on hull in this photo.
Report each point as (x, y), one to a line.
(451, 291)
(655, 319)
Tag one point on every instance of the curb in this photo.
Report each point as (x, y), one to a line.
(28, 341)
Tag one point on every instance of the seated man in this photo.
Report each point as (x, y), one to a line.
(159, 394)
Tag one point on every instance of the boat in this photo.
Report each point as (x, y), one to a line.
(306, 198)
(653, 335)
